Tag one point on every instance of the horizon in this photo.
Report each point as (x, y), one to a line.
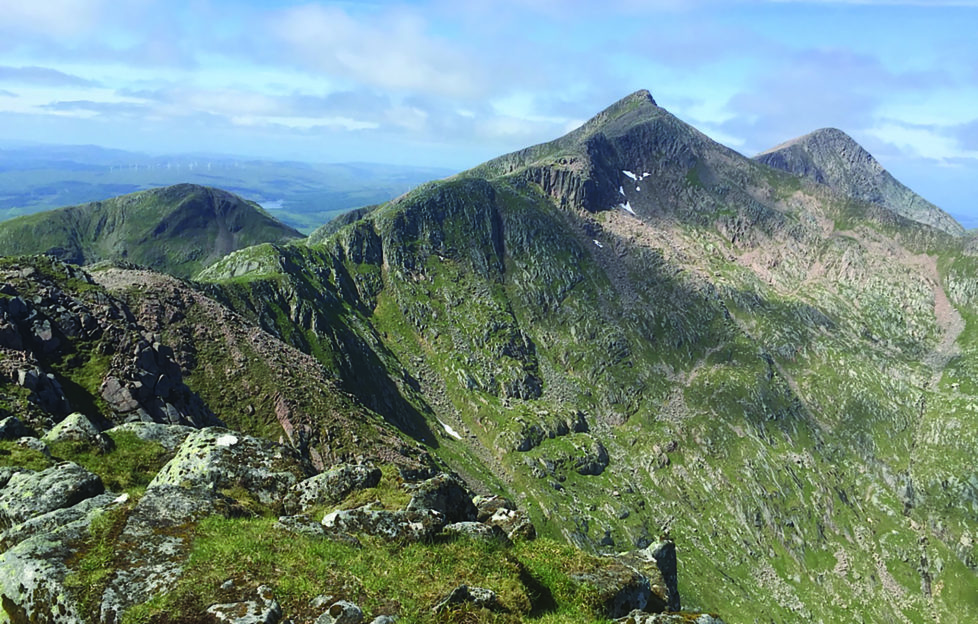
(434, 84)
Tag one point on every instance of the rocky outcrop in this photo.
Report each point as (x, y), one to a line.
(331, 486)
(27, 494)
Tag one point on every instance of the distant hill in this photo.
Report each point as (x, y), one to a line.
(304, 195)
(177, 229)
(831, 157)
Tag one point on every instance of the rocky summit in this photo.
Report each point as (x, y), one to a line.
(629, 374)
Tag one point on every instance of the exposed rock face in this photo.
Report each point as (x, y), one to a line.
(831, 157)
(331, 486)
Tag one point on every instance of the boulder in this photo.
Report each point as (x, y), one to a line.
(49, 522)
(478, 596)
(213, 459)
(446, 495)
(264, 610)
(27, 494)
(331, 486)
(619, 589)
(33, 573)
(12, 428)
(658, 564)
(341, 612)
(514, 523)
(409, 526)
(76, 427)
(641, 617)
(475, 530)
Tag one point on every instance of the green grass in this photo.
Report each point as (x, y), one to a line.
(128, 467)
(93, 564)
(407, 580)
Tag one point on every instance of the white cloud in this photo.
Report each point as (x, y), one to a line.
(393, 50)
(51, 17)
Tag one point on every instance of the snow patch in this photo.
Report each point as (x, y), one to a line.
(627, 207)
(450, 431)
(621, 190)
(121, 499)
(597, 243)
(645, 175)
(638, 188)
(630, 174)
(227, 440)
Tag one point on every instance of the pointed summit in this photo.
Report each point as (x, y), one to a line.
(831, 157)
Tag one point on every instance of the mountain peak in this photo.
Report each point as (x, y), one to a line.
(831, 157)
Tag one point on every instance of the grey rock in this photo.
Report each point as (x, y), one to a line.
(384, 619)
(213, 458)
(11, 428)
(446, 495)
(641, 617)
(52, 520)
(475, 530)
(410, 526)
(76, 427)
(331, 486)
(28, 494)
(33, 572)
(515, 523)
(341, 612)
(35, 445)
(658, 564)
(478, 596)
(620, 589)
(265, 610)
(486, 506)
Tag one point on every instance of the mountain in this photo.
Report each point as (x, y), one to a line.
(177, 229)
(34, 178)
(831, 157)
(637, 335)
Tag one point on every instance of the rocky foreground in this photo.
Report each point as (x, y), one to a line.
(76, 551)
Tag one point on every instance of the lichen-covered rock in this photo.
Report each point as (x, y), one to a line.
(331, 486)
(76, 427)
(515, 523)
(658, 564)
(446, 495)
(213, 459)
(33, 573)
(27, 494)
(619, 589)
(475, 530)
(52, 520)
(341, 612)
(210, 467)
(641, 617)
(478, 596)
(265, 610)
(409, 526)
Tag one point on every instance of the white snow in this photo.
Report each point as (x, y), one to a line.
(630, 174)
(450, 431)
(597, 243)
(627, 207)
(621, 190)
(638, 188)
(121, 499)
(645, 175)
(226, 440)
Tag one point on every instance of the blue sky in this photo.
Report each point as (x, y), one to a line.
(451, 83)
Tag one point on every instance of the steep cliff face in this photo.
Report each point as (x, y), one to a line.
(831, 157)
(634, 330)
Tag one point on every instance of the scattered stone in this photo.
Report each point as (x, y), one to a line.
(34, 444)
(514, 523)
(409, 526)
(11, 428)
(476, 531)
(265, 610)
(341, 612)
(641, 617)
(446, 495)
(478, 596)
